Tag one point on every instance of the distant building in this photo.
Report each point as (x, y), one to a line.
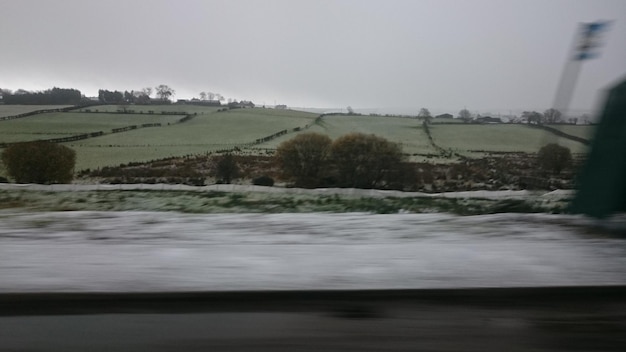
(488, 119)
(282, 107)
(444, 116)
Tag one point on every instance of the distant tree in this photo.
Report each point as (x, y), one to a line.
(210, 96)
(147, 91)
(202, 95)
(365, 161)
(554, 157)
(129, 97)
(552, 116)
(532, 117)
(141, 97)
(54, 96)
(425, 115)
(110, 97)
(586, 119)
(227, 168)
(465, 115)
(350, 110)
(304, 158)
(514, 119)
(164, 92)
(39, 162)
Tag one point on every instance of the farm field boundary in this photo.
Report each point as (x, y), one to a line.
(37, 112)
(560, 133)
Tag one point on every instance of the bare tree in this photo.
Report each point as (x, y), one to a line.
(210, 95)
(164, 92)
(425, 115)
(586, 119)
(203, 95)
(552, 116)
(147, 91)
(465, 115)
(141, 96)
(532, 117)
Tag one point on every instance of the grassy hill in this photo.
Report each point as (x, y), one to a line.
(210, 129)
(405, 131)
(204, 133)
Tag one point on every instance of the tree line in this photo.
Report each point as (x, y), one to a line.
(54, 96)
(142, 97)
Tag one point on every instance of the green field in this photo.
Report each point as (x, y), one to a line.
(189, 109)
(11, 110)
(61, 124)
(435, 121)
(204, 133)
(497, 138)
(210, 131)
(407, 132)
(582, 131)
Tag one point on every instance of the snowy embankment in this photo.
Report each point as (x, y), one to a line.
(168, 251)
(371, 193)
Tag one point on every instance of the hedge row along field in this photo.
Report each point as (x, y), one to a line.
(12, 110)
(258, 131)
(73, 123)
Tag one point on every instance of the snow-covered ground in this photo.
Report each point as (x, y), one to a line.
(373, 193)
(146, 251)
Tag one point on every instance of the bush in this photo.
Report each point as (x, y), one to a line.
(39, 162)
(227, 169)
(365, 161)
(303, 159)
(553, 157)
(263, 181)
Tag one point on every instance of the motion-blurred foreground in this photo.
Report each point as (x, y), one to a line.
(299, 282)
(148, 251)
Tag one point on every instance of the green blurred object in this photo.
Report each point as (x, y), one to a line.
(602, 182)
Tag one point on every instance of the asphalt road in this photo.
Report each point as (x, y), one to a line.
(529, 319)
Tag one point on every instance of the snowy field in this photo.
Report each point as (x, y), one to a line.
(149, 251)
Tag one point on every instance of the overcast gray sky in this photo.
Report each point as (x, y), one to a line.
(486, 55)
